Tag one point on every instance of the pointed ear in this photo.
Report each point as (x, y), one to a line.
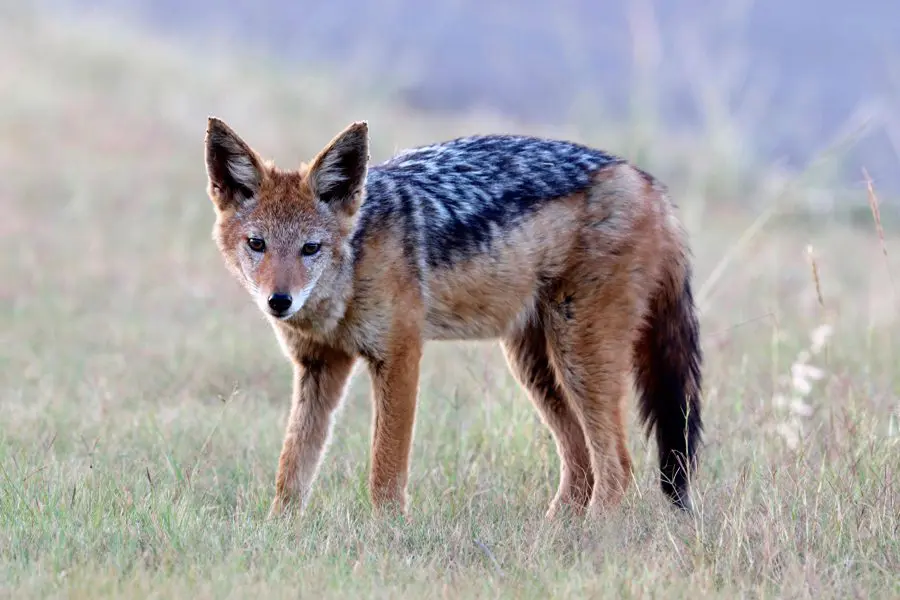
(234, 170)
(337, 175)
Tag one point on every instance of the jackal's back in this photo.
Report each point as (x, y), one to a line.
(457, 195)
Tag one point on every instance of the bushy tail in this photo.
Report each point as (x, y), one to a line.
(668, 378)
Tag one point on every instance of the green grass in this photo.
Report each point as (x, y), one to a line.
(143, 396)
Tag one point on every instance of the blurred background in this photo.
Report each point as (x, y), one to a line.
(791, 78)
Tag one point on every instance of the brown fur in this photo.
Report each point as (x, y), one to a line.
(567, 292)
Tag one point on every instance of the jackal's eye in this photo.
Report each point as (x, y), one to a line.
(310, 248)
(256, 244)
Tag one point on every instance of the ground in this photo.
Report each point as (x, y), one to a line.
(143, 396)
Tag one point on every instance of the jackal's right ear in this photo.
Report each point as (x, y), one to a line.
(234, 170)
(338, 174)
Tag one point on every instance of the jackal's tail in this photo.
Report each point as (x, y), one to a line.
(668, 378)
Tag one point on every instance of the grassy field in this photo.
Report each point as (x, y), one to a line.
(143, 396)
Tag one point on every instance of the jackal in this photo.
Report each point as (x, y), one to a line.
(573, 258)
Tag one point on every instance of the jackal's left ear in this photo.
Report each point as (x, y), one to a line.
(233, 168)
(337, 175)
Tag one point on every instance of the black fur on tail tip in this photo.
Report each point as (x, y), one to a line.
(668, 376)
(674, 481)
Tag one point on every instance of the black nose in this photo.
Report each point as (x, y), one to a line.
(280, 303)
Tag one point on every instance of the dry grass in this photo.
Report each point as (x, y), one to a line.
(143, 397)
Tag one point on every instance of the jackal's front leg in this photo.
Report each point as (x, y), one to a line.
(395, 382)
(320, 379)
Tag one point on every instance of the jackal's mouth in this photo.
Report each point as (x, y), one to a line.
(282, 316)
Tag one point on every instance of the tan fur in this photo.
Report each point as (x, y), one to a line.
(484, 297)
(570, 346)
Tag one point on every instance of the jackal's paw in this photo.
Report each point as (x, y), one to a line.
(602, 507)
(281, 507)
(276, 510)
(389, 505)
(565, 508)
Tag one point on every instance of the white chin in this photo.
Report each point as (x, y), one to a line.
(284, 317)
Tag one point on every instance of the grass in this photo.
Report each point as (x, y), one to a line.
(143, 397)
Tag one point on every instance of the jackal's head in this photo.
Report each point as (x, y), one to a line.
(285, 234)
